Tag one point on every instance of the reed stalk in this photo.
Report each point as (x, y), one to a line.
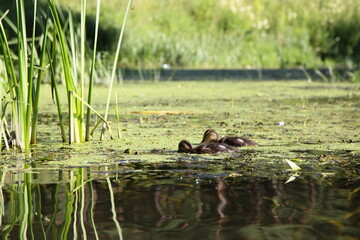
(114, 69)
(74, 135)
(21, 127)
(20, 84)
(80, 105)
(117, 116)
(92, 71)
(2, 202)
(31, 89)
(24, 73)
(52, 56)
(43, 66)
(74, 67)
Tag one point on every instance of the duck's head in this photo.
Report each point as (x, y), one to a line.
(209, 136)
(184, 146)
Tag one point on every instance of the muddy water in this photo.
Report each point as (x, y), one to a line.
(96, 191)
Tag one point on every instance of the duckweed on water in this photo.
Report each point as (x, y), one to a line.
(319, 132)
(153, 192)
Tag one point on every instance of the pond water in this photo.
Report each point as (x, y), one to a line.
(96, 191)
(179, 201)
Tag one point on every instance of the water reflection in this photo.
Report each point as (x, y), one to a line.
(87, 204)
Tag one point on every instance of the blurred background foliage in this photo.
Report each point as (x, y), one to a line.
(228, 33)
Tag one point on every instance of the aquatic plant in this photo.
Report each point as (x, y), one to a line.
(23, 77)
(115, 67)
(62, 49)
(70, 69)
(74, 67)
(92, 72)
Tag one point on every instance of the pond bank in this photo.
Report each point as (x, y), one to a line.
(325, 74)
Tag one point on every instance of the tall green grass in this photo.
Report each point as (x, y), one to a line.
(70, 72)
(60, 50)
(237, 33)
(75, 72)
(22, 77)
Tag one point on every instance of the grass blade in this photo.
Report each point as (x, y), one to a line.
(92, 69)
(38, 86)
(117, 116)
(54, 85)
(115, 67)
(90, 107)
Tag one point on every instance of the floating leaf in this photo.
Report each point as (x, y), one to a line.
(292, 177)
(293, 165)
(164, 112)
(234, 175)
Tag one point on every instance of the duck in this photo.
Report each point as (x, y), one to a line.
(210, 148)
(211, 136)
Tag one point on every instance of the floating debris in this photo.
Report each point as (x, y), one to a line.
(293, 165)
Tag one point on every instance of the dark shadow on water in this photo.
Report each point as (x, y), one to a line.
(183, 200)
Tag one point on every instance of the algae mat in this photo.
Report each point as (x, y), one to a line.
(313, 124)
(71, 191)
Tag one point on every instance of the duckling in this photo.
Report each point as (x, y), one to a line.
(186, 147)
(211, 136)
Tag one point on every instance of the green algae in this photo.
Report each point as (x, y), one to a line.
(144, 175)
(319, 131)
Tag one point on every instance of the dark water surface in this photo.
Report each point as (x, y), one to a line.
(177, 201)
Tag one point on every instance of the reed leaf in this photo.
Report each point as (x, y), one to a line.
(117, 116)
(20, 83)
(114, 69)
(51, 53)
(30, 82)
(74, 135)
(90, 107)
(37, 88)
(92, 71)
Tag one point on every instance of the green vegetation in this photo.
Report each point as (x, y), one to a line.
(59, 46)
(320, 118)
(234, 34)
(21, 81)
(224, 34)
(318, 135)
(87, 189)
